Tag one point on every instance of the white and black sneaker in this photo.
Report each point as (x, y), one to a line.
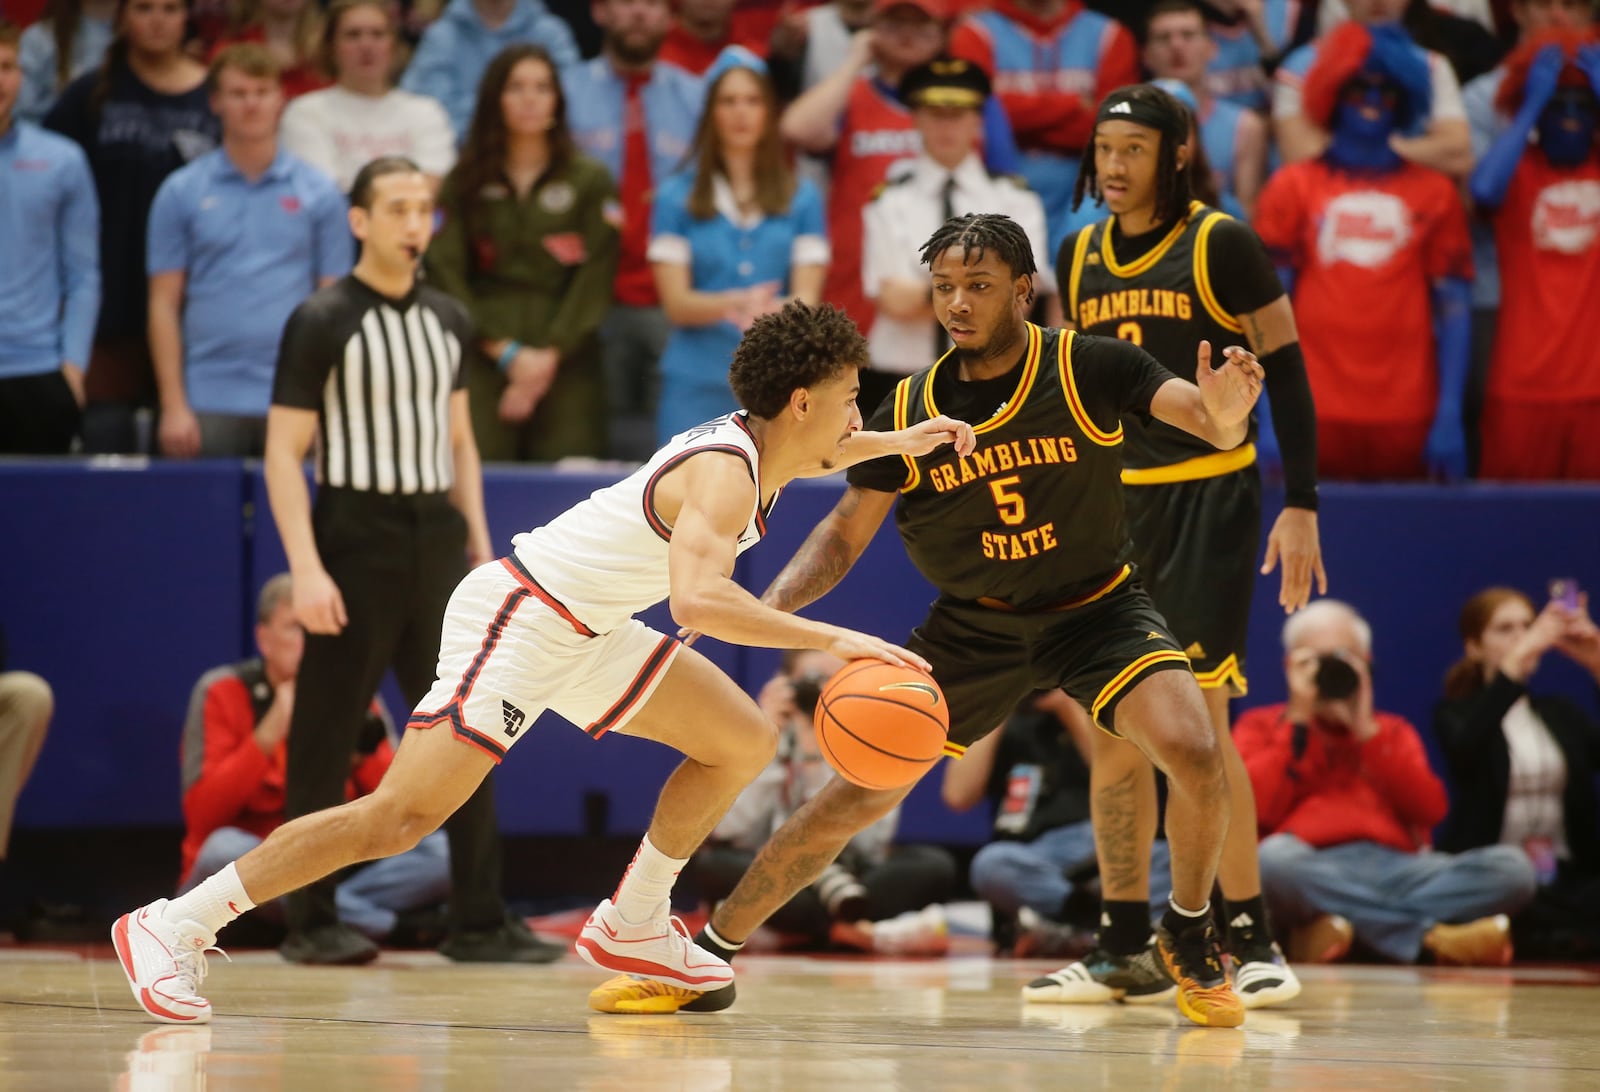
(1137, 979)
(1261, 976)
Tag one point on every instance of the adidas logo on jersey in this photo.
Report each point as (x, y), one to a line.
(512, 716)
(1195, 651)
(1121, 108)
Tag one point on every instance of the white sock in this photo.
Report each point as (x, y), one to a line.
(1200, 913)
(647, 884)
(216, 902)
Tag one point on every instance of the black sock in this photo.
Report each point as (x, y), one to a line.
(707, 939)
(1174, 922)
(1254, 913)
(1124, 926)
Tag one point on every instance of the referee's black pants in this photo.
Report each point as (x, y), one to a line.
(396, 559)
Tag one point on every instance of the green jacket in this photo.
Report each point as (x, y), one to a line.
(539, 270)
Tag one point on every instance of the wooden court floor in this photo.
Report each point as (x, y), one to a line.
(418, 1022)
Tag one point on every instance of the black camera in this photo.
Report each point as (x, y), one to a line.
(1335, 679)
(807, 692)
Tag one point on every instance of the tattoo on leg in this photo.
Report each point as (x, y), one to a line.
(788, 863)
(1117, 834)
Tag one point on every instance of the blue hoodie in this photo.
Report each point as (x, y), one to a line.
(458, 47)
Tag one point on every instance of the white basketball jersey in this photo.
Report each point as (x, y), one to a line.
(605, 558)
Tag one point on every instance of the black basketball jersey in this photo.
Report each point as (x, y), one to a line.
(1164, 301)
(1033, 517)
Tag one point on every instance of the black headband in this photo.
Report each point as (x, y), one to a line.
(1156, 114)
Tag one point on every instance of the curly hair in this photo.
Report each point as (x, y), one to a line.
(982, 232)
(1174, 184)
(799, 346)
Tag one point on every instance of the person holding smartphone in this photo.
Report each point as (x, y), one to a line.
(1346, 800)
(1522, 764)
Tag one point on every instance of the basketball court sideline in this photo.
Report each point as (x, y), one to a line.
(416, 1021)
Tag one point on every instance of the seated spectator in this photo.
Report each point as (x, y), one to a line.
(26, 706)
(855, 118)
(238, 239)
(1523, 765)
(807, 46)
(1437, 135)
(1249, 38)
(946, 99)
(456, 50)
(1034, 772)
(140, 116)
(1378, 255)
(1052, 62)
(735, 236)
(49, 279)
(1345, 800)
(70, 40)
(637, 116)
(1177, 47)
(235, 756)
(877, 896)
(364, 116)
(702, 29)
(1540, 185)
(291, 31)
(1487, 122)
(529, 244)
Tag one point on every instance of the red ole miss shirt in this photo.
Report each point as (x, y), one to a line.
(875, 133)
(1366, 250)
(1548, 235)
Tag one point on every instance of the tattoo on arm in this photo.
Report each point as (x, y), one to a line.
(1253, 329)
(1123, 861)
(821, 562)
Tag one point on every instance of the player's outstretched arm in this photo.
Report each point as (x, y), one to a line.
(920, 439)
(830, 550)
(707, 500)
(1218, 409)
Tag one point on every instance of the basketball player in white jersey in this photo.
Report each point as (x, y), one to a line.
(552, 627)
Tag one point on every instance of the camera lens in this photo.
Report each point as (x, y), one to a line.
(1336, 679)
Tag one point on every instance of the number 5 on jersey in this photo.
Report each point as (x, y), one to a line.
(1008, 501)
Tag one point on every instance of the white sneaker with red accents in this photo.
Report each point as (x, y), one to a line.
(660, 949)
(165, 963)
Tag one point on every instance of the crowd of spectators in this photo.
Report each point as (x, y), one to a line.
(613, 221)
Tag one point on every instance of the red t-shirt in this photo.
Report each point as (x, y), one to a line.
(1547, 232)
(875, 132)
(1366, 251)
(751, 28)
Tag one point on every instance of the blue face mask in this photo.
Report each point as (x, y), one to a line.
(1363, 122)
(1566, 126)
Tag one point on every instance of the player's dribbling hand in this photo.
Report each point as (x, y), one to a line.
(318, 606)
(847, 644)
(933, 434)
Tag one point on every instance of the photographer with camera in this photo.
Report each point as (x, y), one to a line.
(876, 896)
(1522, 764)
(1346, 801)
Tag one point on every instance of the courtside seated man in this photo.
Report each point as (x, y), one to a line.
(1026, 541)
(552, 627)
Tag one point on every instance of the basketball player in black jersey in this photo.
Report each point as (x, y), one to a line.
(1026, 542)
(1166, 272)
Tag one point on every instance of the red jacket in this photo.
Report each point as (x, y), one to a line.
(1337, 790)
(228, 781)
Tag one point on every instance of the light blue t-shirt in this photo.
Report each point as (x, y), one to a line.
(251, 252)
(722, 255)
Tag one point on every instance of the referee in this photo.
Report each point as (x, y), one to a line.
(370, 370)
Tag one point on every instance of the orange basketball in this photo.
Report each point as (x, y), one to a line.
(881, 726)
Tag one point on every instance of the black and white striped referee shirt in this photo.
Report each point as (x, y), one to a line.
(379, 373)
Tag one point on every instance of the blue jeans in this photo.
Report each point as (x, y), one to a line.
(1011, 875)
(370, 898)
(1392, 898)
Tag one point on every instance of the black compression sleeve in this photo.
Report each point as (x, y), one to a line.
(1294, 419)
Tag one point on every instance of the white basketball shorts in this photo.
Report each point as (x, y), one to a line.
(510, 650)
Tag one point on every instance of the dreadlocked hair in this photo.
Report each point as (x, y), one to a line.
(978, 233)
(1174, 188)
(799, 346)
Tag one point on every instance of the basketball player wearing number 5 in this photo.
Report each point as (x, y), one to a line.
(1026, 542)
(1166, 272)
(552, 627)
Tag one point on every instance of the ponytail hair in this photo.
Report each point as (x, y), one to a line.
(1465, 677)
